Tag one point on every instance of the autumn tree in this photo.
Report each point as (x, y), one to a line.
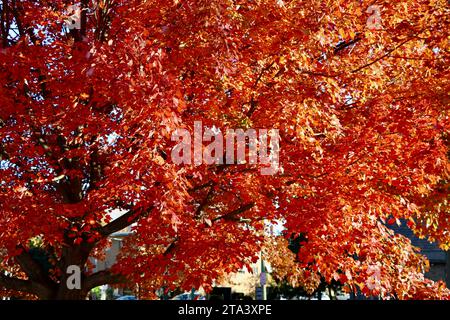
(359, 96)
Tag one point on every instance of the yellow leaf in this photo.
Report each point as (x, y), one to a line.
(352, 34)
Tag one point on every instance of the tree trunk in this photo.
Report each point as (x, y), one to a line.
(41, 285)
(65, 294)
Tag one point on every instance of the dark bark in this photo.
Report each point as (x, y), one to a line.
(16, 284)
(60, 291)
(124, 221)
(101, 278)
(40, 284)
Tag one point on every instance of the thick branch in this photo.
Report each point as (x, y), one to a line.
(15, 284)
(32, 269)
(345, 44)
(20, 285)
(123, 221)
(101, 278)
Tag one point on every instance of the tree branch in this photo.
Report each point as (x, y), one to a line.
(171, 247)
(100, 278)
(20, 285)
(235, 212)
(341, 46)
(123, 221)
(16, 284)
(204, 201)
(32, 268)
(383, 56)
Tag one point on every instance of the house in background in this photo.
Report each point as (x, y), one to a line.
(245, 283)
(439, 259)
(110, 259)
